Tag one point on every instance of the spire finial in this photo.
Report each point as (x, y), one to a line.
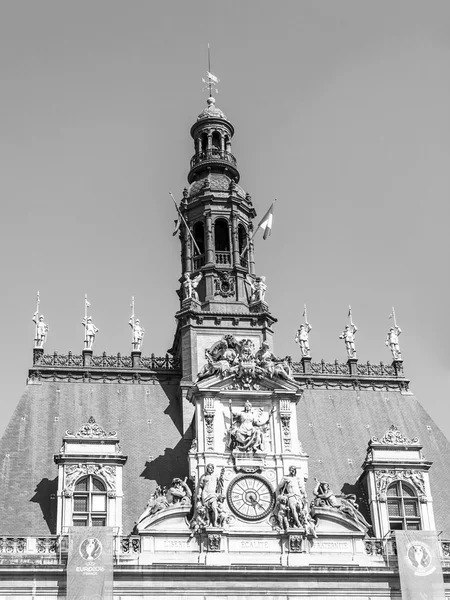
(211, 80)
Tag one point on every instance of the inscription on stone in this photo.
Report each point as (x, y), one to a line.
(252, 545)
(332, 546)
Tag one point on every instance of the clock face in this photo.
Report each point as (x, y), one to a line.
(250, 497)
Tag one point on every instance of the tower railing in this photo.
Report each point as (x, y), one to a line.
(199, 261)
(223, 258)
(213, 154)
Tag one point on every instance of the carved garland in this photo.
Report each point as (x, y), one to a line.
(394, 437)
(91, 429)
(209, 412)
(74, 472)
(224, 284)
(384, 479)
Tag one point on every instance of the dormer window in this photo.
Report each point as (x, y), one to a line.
(403, 507)
(89, 503)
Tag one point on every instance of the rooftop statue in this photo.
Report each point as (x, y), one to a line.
(392, 338)
(258, 288)
(348, 335)
(302, 336)
(41, 330)
(344, 503)
(190, 285)
(246, 432)
(90, 330)
(138, 331)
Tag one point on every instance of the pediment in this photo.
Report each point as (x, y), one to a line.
(218, 384)
(170, 518)
(333, 521)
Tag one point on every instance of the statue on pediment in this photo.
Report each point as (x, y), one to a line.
(343, 503)
(291, 509)
(156, 503)
(247, 429)
(222, 358)
(240, 358)
(179, 493)
(210, 487)
(271, 365)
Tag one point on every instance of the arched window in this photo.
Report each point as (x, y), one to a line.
(222, 242)
(403, 506)
(89, 502)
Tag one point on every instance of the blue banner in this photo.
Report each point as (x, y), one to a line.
(419, 565)
(90, 563)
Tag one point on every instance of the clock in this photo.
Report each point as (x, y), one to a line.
(250, 497)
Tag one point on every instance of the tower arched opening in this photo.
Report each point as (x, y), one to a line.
(199, 249)
(222, 242)
(243, 245)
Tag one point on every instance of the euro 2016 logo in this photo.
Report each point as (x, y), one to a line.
(419, 558)
(90, 549)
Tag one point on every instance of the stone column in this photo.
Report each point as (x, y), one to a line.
(188, 251)
(87, 357)
(234, 239)
(306, 363)
(353, 366)
(136, 358)
(251, 254)
(209, 239)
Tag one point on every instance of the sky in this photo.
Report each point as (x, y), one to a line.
(341, 113)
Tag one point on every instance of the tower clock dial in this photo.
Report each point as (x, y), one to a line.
(250, 497)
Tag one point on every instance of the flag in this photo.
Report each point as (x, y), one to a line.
(212, 77)
(177, 224)
(419, 565)
(266, 222)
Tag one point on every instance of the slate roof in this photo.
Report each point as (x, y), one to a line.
(28, 474)
(361, 415)
(147, 418)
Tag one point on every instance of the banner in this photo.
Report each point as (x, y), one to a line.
(419, 565)
(90, 563)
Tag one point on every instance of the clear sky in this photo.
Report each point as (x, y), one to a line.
(341, 110)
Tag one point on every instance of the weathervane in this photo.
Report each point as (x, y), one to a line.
(212, 80)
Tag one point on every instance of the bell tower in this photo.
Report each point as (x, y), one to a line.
(220, 292)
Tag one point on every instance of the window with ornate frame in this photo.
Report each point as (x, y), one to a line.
(403, 507)
(89, 502)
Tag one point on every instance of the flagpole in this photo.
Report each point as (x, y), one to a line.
(185, 224)
(85, 319)
(209, 70)
(37, 317)
(350, 314)
(304, 313)
(393, 314)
